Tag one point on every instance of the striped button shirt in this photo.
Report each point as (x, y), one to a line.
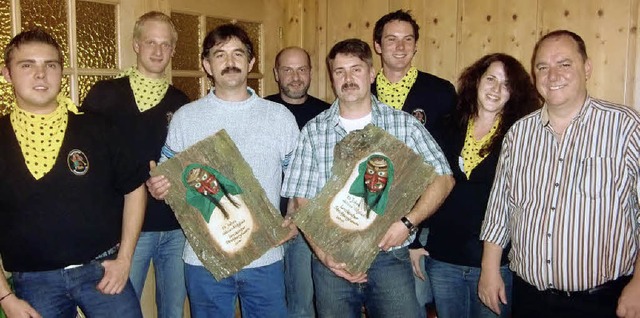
(569, 207)
(311, 163)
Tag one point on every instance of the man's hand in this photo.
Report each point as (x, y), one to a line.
(339, 268)
(116, 274)
(16, 307)
(629, 301)
(415, 255)
(395, 236)
(491, 290)
(159, 185)
(293, 230)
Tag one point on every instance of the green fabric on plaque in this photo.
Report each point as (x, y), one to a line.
(207, 203)
(376, 201)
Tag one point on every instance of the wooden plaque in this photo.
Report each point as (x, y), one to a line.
(342, 224)
(242, 225)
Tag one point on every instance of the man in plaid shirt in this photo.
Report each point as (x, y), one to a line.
(387, 288)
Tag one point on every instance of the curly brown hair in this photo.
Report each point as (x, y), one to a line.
(523, 98)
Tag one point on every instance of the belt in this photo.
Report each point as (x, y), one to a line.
(103, 255)
(616, 284)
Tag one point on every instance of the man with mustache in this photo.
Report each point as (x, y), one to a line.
(140, 102)
(265, 133)
(292, 71)
(425, 96)
(387, 289)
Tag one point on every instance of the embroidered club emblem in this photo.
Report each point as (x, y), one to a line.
(78, 162)
(419, 114)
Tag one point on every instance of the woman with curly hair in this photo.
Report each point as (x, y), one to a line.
(493, 93)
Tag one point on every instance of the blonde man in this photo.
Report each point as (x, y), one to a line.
(140, 102)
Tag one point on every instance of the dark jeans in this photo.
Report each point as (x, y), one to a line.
(56, 293)
(601, 301)
(388, 293)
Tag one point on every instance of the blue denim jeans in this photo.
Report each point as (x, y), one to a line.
(56, 293)
(297, 278)
(260, 289)
(423, 287)
(389, 291)
(455, 290)
(165, 249)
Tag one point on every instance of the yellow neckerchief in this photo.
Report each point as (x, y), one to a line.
(394, 94)
(148, 92)
(40, 136)
(471, 150)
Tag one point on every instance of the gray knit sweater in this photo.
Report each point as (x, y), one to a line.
(265, 133)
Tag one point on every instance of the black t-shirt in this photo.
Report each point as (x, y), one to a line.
(303, 112)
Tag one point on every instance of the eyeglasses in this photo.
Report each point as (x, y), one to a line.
(164, 46)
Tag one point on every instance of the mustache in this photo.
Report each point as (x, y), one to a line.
(230, 69)
(347, 86)
(301, 83)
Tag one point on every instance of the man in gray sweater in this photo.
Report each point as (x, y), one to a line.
(265, 133)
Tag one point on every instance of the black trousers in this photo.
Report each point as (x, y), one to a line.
(597, 302)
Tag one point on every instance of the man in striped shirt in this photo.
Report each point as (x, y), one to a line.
(565, 196)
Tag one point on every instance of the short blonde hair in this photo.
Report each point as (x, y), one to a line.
(154, 16)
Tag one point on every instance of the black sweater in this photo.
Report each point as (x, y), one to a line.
(454, 230)
(145, 131)
(64, 217)
(435, 96)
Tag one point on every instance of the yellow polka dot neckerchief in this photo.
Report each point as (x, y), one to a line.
(148, 92)
(40, 136)
(394, 94)
(471, 149)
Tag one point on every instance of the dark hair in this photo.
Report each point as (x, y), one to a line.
(582, 48)
(355, 47)
(291, 48)
(399, 15)
(223, 34)
(523, 97)
(36, 35)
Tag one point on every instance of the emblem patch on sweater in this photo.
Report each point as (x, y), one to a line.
(78, 162)
(419, 114)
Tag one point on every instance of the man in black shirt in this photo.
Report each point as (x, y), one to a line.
(71, 198)
(140, 102)
(293, 74)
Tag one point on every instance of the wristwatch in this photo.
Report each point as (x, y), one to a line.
(412, 228)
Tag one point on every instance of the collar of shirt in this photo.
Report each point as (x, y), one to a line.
(585, 110)
(333, 115)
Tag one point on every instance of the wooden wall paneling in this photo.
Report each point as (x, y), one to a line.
(251, 10)
(496, 26)
(292, 27)
(475, 18)
(272, 15)
(290, 32)
(518, 30)
(314, 39)
(604, 26)
(632, 91)
(353, 19)
(437, 43)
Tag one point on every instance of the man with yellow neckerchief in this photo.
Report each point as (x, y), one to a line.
(140, 102)
(71, 200)
(398, 84)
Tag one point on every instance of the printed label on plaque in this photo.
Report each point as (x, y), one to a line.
(365, 194)
(219, 201)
